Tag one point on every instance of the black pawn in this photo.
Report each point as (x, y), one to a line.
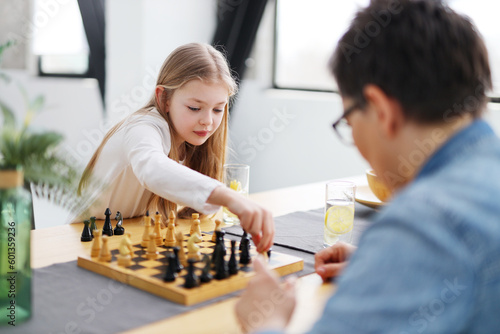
(178, 265)
(86, 234)
(233, 264)
(191, 280)
(170, 273)
(107, 228)
(245, 251)
(119, 229)
(206, 276)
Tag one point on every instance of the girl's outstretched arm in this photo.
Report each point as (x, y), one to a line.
(253, 218)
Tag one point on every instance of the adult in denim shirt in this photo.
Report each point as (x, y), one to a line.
(413, 94)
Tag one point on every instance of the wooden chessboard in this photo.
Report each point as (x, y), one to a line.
(148, 275)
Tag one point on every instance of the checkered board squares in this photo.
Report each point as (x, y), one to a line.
(148, 274)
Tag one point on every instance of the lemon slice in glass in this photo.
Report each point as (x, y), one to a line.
(235, 185)
(339, 219)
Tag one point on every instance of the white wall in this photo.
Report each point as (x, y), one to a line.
(139, 36)
(286, 136)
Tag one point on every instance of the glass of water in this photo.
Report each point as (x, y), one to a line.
(236, 177)
(339, 212)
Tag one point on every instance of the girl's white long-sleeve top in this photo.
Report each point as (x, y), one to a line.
(134, 163)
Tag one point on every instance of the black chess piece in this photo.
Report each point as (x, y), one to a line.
(93, 225)
(86, 233)
(221, 269)
(191, 280)
(170, 273)
(233, 264)
(178, 265)
(220, 246)
(206, 276)
(245, 235)
(119, 229)
(107, 228)
(269, 254)
(245, 251)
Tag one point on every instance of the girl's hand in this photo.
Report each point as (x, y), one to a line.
(330, 262)
(253, 218)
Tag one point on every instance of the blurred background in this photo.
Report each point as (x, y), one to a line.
(96, 61)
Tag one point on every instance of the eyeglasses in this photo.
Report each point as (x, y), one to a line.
(342, 128)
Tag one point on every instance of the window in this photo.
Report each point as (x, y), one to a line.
(307, 32)
(59, 39)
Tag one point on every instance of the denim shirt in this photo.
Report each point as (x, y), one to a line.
(430, 262)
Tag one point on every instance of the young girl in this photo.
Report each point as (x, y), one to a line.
(173, 149)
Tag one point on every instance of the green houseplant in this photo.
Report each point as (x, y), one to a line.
(34, 151)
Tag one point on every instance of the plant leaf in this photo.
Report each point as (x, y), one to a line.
(9, 119)
(37, 103)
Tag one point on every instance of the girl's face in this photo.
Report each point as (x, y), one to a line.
(196, 110)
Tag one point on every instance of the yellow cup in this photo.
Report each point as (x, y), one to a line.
(377, 186)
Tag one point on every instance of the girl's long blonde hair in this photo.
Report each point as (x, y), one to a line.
(192, 61)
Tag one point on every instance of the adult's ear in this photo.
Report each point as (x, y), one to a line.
(388, 111)
(160, 97)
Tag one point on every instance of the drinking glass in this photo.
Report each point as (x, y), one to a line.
(236, 177)
(339, 212)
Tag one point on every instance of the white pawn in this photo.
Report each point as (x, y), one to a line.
(180, 244)
(96, 245)
(105, 254)
(151, 252)
(170, 237)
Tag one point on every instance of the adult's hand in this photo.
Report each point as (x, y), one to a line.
(330, 262)
(265, 304)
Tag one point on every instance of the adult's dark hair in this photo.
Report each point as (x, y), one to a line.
(420, 52)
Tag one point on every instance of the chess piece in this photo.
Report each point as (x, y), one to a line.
(169, 238)
(178, 265)
(125, 251)
(96, 245)
(218, 223)
(206, 276)
(195, 226)
(233, 264)
(193, 248)
(152, 253)
(119, 229)
(105, 254)
(93, 225)
(220, 246)
(159, 217)
(107, 228)
(157, 231)
(147, 227)
(126, 245)
(245, 235)
(86, 234)
(180, 244)
(170, 272)
(221, 270)
(264, 257)
(245, 250)
(191, 280)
